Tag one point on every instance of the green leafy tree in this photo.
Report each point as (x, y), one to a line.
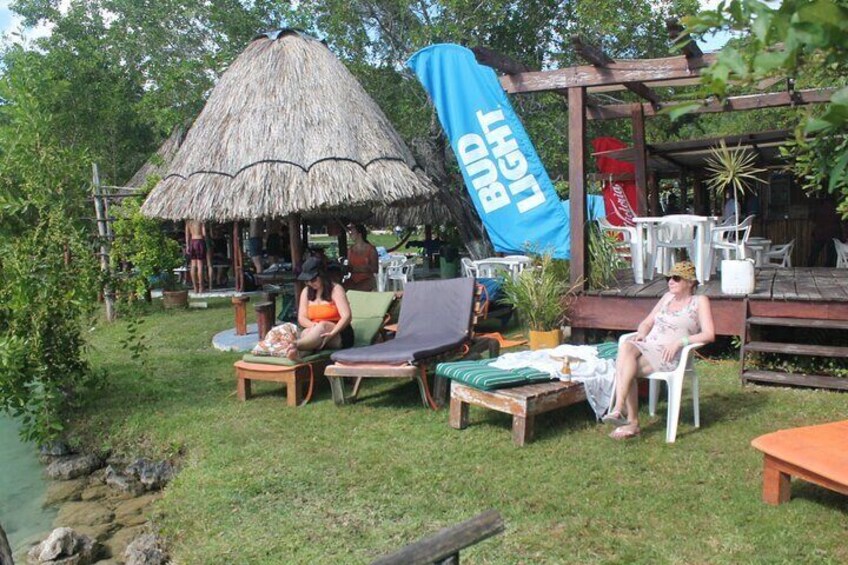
(798, 38)
(47, 265)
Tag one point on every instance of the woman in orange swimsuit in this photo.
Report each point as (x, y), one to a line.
(323, 313)
(363, 262)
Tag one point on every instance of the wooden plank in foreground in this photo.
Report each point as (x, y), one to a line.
(448, 542)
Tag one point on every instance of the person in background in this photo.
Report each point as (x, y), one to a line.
(363, 261)
(671, 204)
(254, 244)
(195, 241)
(678, 319)
(731, 211)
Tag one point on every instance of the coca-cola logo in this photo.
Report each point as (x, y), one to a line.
(620, 204)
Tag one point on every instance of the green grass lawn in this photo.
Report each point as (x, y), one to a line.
(262, 483)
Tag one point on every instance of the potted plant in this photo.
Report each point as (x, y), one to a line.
(542, 296)
(146, 254)
(734, 169)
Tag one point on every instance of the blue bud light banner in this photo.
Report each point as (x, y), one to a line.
(508, 183)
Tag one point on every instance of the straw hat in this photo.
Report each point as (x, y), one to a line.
(683, 269)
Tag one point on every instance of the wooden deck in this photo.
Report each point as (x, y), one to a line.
(805, 292)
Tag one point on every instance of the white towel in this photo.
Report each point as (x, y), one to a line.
(597, 375)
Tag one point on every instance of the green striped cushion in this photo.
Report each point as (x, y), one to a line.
(478, 374)
(607, 350)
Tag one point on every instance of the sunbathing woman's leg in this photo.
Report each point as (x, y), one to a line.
(626, 367)
(311, 340)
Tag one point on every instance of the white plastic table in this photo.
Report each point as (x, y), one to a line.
(760, 246)
(512, 263)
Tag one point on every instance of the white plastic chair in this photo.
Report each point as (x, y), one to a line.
(469, 269)
(628, 238)
(720, 239)
(401, 274)
(674, 382)
(673, 234)
(779, 255)
(841, 254)
(389, 263)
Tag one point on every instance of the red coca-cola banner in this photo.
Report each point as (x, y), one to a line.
(619, 195)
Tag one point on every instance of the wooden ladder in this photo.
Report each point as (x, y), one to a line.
(752, 326)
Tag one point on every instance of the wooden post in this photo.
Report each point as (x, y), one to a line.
(264, 318)
(637, 118)
(104, 232)
(296, 251)
(577, 181)
(683, 193)
(240, 306)
(699, 204)
(654, 194)
(271, 296)
(238, 259)
(304, 233)
(342, 241)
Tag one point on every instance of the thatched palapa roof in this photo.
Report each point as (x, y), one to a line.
(432, 211)
(159, 163)
(287, 129)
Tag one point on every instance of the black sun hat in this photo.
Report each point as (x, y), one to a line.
(310, 269)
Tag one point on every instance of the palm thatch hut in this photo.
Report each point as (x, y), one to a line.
(430, 212)
(159, 163)
(287, 130)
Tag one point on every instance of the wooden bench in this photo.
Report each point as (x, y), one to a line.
(523, 402)
(293, 377)
(817, 454)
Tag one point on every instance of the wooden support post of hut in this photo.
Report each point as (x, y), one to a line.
(577, 180)
(637, 118)
(240, 308)
(296, 251)
(238, 258)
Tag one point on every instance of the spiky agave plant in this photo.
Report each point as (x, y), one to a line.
(735, 168)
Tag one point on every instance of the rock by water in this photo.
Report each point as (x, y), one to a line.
(147, 549)
(73, 466)
(63, 546)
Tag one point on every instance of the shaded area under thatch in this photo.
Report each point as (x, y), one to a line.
(433, 212)
(287, 130)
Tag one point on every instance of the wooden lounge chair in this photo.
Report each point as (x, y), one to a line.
(435, 322)
(817, 454)
(368, 311)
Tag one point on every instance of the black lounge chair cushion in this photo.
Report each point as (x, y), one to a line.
(435, 317)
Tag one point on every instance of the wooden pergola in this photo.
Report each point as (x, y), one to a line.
(642, 77)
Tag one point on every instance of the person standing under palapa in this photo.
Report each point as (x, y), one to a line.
(195, 241)
(363, 262)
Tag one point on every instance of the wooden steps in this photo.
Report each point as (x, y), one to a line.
(752, 344)
(797, 349)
